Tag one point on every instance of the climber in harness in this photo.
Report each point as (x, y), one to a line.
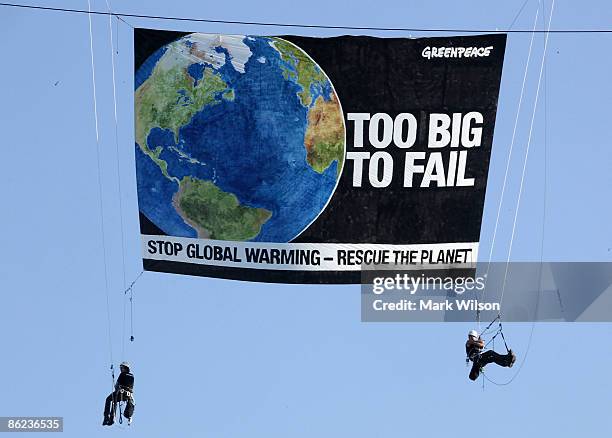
(474, 349)
(124, 391)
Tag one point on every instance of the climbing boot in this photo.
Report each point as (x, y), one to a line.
(512, 358)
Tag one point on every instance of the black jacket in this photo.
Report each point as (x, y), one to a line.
(472, 350)
(125, 380)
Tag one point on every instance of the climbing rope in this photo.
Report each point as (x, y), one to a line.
(508, 159)
(490, 324)
(116, 123)
(535, 105)
(543, 214)
(116, 399)
(130, 290)
(101, 206)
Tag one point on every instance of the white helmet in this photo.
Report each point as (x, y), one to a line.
(473, 333)
(125, 364)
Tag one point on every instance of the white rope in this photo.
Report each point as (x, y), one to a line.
(535, 105)
(544, 203)
(112, 53)
(508, 159)
(537, 306)
(95, 102)
(110, 32)
(516, 119)
(93, 70)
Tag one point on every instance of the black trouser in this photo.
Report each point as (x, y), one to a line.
(115, 397)
(486, 358)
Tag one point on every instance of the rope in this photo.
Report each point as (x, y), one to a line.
(93, 71)
(492, 339)
(516, 119)
(545, 199)
(133, 282)
(112, 53)
(100, 192)
(120, 412)
(500, 331)
(117, 33)
(520, 367)
(306, 26)
(131, 316)
(121, 19)
(518, 202)
(508, 159)
(518, 14)
(130, 289)
(490, 324)
(113, 406)
(116, 119)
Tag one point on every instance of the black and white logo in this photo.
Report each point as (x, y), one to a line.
(456, 52)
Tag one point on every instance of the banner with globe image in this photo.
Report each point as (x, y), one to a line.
(299, 159)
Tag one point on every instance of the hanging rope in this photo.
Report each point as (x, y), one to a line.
(120, 412)
(113, 407)
(508, 159)
(489, 326)
(130, 289)
(120, 198)
(131, 315)
(500, 331)
(518, 202)
(117, 35)
(518, 14)
(514, 129)
(100, 192)
(121, 19)
(545, 199)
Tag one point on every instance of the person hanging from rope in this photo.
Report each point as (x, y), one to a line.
(474, 349)
(124, 391)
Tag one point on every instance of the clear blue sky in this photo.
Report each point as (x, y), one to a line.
(216, 358)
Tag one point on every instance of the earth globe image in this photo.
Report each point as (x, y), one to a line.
(237, 138)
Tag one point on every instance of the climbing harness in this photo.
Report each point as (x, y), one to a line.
(121, 396)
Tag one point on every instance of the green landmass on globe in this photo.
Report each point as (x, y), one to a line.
(216, 214)
(159, 103)
(170, 98)
(304, 71)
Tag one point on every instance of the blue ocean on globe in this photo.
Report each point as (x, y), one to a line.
(249, 142)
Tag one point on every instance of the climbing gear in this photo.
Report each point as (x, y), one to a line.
(125, 391)
(500, 331)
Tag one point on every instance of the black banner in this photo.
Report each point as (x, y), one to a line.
(298, 159)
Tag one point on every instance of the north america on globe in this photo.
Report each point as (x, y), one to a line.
(237, 138)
